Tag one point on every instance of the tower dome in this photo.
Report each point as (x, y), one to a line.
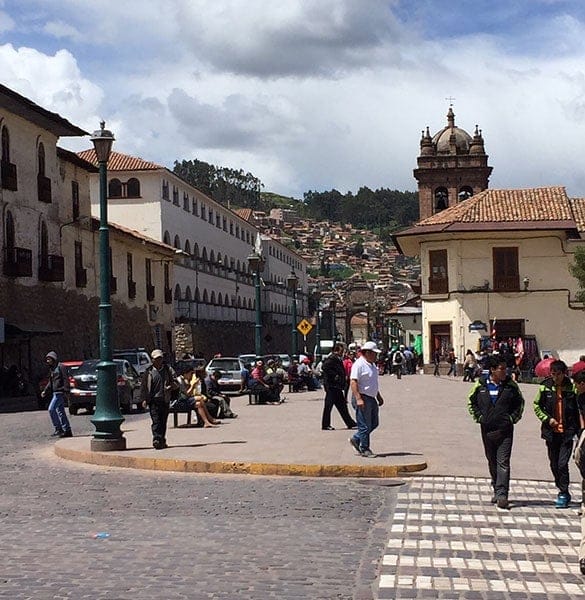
(452, 139)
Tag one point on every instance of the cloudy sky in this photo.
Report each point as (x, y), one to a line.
(311, 94)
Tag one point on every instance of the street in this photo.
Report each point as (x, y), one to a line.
(177, 536)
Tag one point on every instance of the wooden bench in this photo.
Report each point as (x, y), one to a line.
(176, 412)
(254, 396)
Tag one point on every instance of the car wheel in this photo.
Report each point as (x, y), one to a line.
(73, 410)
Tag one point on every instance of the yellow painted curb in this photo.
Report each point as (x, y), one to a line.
(239, 468)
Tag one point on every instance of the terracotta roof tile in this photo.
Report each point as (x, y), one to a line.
(498, 206)
(121, 162)
(578, 205)
(244, 213)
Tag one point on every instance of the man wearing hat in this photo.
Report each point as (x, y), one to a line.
(56, 387)
(366, 398)
(159, 381)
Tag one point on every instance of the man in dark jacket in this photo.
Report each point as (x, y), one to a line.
(334, 378)
(159, 382)
(56, 388)
(496, 403)
(556, 407)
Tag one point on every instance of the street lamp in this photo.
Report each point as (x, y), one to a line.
(256, 263)
(292, 282)
(316, 297)
(333, 307)
(107, 418)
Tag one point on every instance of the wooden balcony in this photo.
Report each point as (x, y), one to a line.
(44, 189)
(149, 292)
(17, 262)
(80, 277)
(438, 285)
(168, 296)
(510, 283)
(51, 268)
(8, 176)
(131, 289)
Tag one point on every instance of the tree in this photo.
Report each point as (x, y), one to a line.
(577, 270)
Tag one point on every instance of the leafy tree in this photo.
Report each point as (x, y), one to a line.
(577, 270)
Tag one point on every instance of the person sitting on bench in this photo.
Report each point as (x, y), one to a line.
(258, 385)
(191, 398)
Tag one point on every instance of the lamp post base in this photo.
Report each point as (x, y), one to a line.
(108, 445)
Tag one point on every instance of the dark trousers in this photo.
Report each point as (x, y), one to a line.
(335, 397)
(159, 413)
(498, 449)
(559, 453)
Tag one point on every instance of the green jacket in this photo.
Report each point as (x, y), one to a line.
(504, 413)
(544, 407)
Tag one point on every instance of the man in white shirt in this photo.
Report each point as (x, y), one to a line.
(366, 398)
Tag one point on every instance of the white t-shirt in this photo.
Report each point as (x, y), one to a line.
(366, 375)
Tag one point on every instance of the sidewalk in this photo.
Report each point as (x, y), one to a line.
(424, 425)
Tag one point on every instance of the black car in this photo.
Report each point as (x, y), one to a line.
(83, 384)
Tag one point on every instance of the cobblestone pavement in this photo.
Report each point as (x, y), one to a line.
(178, 536)
(448, 541)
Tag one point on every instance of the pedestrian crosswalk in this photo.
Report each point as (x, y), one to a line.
(448, 541)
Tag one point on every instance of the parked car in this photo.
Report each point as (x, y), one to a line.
(231, 370)
(137, 357)
(83, 384)
(194, 363)
(248, 359)
(283, 359)
(70, 367)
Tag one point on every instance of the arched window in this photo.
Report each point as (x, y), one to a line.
(5, 145)
(188, 247)
(115, 188)
(167, 238)
(10, 235)
(249, 302)
(197, 295)
(465, 192)
(41, 159)
(212, 297)
(43, 245)
(441, 199)
(238, 267)
(205, 297)
(177, 243)
(212, 257)
(196, 250)
(226, 300)
(177, 292)
(133, 188)
(220, 299)
(219, 260)
(188, 293)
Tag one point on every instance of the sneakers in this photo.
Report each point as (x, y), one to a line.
(66, 434)
(355, 444)
(502, 504)
(158, 445)
(563, 500)
(494, 499)
(367, 453)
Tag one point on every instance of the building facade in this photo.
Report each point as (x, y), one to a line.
(496, 267)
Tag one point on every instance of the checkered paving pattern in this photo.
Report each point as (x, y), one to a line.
(448, 541)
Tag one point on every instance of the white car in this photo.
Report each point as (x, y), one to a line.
(231, 372)
(137, 357)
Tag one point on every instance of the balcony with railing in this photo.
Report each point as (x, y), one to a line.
(44, 188)
(8, 175)
(438, 285)
(51, 268)
(149, 292)
(80, 277)
(17, 262)
(131, 289)
(506, 283)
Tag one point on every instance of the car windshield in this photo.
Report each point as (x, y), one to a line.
(225, 364)
(90, 366)
(131, 357)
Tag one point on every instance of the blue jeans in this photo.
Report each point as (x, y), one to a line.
(57, 412)
(367, 420)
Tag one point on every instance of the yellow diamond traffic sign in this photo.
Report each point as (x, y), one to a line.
(304, 327)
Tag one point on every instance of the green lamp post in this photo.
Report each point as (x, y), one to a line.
(107, 418)
(292, 281)
(256, 262)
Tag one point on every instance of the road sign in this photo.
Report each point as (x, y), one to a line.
(304, 327)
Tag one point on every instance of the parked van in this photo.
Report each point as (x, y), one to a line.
(326, 347)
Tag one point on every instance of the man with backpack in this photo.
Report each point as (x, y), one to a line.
(56, 387)
(397, 361)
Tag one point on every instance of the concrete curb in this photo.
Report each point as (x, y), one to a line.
(234, 468)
